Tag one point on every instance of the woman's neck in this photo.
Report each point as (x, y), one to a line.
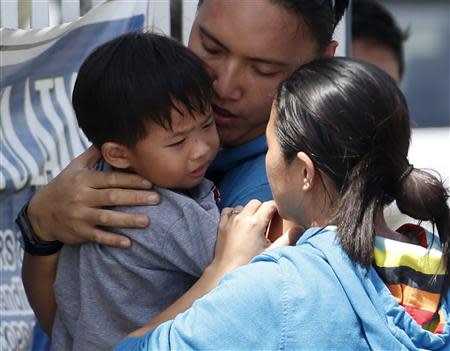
(322, 219)
(382, 229)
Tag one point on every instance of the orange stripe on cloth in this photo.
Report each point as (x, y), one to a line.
(416, 298)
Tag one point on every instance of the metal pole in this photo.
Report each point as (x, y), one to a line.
(176, 19)
(348, 30)
(24, 9)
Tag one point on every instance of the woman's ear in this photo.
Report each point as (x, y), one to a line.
(117, 155)
(308, 171)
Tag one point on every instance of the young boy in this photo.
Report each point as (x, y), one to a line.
(144, 101)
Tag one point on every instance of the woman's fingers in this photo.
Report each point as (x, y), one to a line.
(265, 213)
(224, 217)
(238, 209)
(242, 233)
(251, 207)
(290, 237)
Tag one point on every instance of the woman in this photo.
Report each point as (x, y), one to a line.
(338, 142)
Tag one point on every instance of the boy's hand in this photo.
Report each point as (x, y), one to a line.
(69, 208)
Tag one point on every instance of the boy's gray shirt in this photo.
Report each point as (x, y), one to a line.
(104, 293)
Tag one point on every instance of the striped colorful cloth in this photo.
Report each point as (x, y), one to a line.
(414, 274)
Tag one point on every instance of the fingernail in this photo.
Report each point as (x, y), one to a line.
(142, 222)
(147, 183)
(152, 198)
(125, 243)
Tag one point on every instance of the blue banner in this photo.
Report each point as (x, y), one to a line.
(39, 136)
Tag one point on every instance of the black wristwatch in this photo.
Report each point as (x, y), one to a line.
(31, 244)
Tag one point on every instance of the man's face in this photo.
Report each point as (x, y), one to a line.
(377, 55)
(249, 47)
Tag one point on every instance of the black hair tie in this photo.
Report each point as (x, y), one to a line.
(405, 173)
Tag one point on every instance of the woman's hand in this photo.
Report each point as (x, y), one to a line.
(242, 234)
(69, 208)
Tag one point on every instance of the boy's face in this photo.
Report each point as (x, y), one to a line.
(249, 47)
(176, 158)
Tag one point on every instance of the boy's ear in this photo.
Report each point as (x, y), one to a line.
(116, 155)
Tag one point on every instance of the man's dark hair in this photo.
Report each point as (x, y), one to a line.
(373, 23)
(135, 78)
(321, 16)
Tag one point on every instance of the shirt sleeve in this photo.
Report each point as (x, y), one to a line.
(181, 236)
(189, 242)
(232, 317)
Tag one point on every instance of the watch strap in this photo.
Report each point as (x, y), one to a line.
(30, 242)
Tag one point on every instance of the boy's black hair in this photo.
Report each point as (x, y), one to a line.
(135, 78)
(372, 22)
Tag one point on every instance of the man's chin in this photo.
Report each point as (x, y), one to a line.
(234, 137)
(228, 138)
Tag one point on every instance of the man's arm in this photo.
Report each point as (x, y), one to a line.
(38, 274)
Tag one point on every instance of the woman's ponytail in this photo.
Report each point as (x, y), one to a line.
(355, 217)
(423, 196)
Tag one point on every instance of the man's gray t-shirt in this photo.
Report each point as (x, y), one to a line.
(104, 293)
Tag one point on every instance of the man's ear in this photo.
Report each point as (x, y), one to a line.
(117, 155)
(308, 171)
(330, 50)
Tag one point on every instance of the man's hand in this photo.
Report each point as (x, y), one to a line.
(69, 208)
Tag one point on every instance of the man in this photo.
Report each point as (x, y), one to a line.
(377, 38)
(249, 47)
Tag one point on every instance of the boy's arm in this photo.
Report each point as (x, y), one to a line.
(38, 274)
(204, 284)
(231, 317)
